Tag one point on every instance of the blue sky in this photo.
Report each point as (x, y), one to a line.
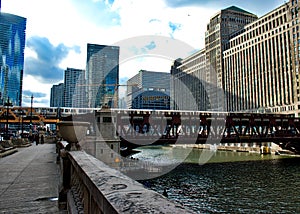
(58, 32)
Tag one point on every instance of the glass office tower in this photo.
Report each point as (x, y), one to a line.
(102, 75)
(12, 44)
(57, 96)
(74, 88)
(149, 90)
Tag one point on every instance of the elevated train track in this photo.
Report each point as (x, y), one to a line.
(37, 115)
(201, 127)
(167, 126)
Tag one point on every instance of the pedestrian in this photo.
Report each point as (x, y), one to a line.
(30, 137)
(42, 139)
(165, 193)
(37, 139)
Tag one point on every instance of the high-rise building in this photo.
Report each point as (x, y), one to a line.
(256, 64)
(189, 84)
(74, 88)
(219, 29)
(102, 75)
(57, 95)
(12, 44)
(261, 64)
(149, 90)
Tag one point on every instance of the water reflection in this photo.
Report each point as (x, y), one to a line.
(230, 182)
(210, 181)
(153, 161)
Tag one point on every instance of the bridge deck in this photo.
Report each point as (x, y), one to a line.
(29, 178)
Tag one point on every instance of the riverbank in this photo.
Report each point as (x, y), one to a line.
(265, 148)
(204, 154)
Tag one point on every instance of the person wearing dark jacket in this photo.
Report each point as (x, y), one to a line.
(42, 139)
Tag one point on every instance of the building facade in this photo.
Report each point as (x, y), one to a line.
(219, 29)
(260, 71)
(102, 75)
(149, 90)
(189, 83)
(57, 95)
(12, 44)
(75, 88)
(254, 62)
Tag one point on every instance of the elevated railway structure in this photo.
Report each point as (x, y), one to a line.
(194, 127)
(37, 115)
(138, 127)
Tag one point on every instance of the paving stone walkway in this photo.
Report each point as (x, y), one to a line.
(29, 180)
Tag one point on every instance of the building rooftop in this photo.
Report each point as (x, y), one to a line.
(237, 9)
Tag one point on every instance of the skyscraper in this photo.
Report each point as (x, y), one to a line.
(188, 83)
(12, 44)
(256, 65)
(219, 30)
(102, 75)
(74, 88)
(149, 90)
(57, 95)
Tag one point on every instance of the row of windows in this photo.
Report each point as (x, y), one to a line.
(281, 39)
(261, 32)
(236, 19)
(267, 18)
(246, 78)
(155, 98)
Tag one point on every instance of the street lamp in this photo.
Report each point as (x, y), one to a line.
(31, 112)
(7, 104)
(21, 115)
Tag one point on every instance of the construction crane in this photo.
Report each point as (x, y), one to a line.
(115, 97)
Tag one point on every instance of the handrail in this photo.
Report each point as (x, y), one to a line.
(94, 187)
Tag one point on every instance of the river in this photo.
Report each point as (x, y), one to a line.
(227, 182)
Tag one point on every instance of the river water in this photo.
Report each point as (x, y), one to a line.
(227, 182)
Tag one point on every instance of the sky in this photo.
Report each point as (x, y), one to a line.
(151, 34)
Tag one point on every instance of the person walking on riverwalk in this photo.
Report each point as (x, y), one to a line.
(42, 139)
(165, 193)
(37, 139)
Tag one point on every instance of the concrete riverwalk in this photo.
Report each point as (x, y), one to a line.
(29, 180)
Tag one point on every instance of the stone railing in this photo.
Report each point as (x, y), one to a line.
(90, 186)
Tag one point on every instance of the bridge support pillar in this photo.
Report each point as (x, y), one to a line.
(105, 146)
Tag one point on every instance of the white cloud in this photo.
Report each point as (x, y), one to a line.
(30, 83)
(74, 60)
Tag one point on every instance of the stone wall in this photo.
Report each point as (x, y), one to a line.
(93, 187)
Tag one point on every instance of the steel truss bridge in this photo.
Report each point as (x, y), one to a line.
(136, 127)
(201, 127)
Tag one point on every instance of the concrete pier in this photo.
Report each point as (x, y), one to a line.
(29, 180)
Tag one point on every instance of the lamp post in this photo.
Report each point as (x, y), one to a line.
(31, 112)
(21, 115)
(7, 104)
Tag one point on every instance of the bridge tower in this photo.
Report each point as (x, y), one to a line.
(105, 145)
